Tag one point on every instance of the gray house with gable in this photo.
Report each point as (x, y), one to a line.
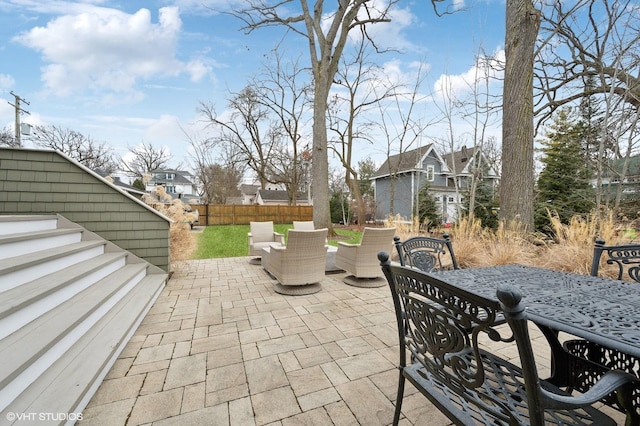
(411, 169)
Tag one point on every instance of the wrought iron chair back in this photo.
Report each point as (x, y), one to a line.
(440, 328)
(625, 257)
(426, 253)
(588, 360)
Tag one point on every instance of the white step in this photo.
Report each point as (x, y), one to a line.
(28, 352)
(67, 386)
(23, 304)
(15, 271)
(28, 223)
(69, 303)
(13, 245)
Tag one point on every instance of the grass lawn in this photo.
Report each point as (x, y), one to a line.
(231, 240)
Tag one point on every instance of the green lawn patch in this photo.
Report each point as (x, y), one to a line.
(231, 240)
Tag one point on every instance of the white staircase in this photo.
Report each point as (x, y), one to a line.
(69, 302)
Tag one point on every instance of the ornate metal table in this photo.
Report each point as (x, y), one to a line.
(597, 309)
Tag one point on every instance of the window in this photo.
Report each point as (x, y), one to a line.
(451, 199)
(430, 173)
(169, 176)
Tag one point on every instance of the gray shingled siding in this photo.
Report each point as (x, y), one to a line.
(39, 182)
(402, 204)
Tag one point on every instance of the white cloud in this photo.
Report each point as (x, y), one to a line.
(102, 49)
(6, 81)
(449, 86)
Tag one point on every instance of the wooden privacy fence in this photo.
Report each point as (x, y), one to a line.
(223, 214)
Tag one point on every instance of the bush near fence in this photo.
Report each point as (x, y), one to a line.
(223, 214)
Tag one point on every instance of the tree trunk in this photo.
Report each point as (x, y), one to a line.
(356, 194)
(517, 182)
(320, 163)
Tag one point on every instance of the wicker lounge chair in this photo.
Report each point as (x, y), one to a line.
(298, 267)
(261, 236)
(303, 225)
(360, 260)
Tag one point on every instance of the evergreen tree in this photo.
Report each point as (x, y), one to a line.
(487, 205)
(563, 186)
(138, 184)
(339, 208)
(428, 208)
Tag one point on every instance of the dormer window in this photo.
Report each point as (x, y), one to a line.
(430, 173)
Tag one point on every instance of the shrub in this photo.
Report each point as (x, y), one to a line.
(181, 240)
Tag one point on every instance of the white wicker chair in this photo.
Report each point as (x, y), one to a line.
(262, 235)
(300, 265)
(303, 225)
(360, 261)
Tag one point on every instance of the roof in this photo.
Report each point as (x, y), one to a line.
(459, 160)
(119, 183)
(615, 166)
(271, 195)
(181, 176)
(249, 189)
(409, 161)
(403, 162)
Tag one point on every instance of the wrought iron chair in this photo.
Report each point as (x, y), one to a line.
(439, 325)
(426, 253)
(589, 360)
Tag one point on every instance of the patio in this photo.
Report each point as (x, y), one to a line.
(221, 347)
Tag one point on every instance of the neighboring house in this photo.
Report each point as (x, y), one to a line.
(611, 178)
(410, 170)
(249, 192)
(270, 197)
(131, 190)
(177, 183)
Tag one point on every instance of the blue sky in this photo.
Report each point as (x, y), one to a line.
(126, 72)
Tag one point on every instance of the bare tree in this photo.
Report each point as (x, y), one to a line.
(83, 149)
(326, 33)
(224, 182)
(246, 129)
(480, 110)
(400, 125)
(596, 40)
(356, 77)
(202, 159)
(144, 158)
(594, 54)
(283, 90)
(8, 138)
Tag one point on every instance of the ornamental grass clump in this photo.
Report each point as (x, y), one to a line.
(182, 242)
(476, 246)
(571, 249)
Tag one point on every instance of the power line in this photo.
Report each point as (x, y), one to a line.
(18, 110)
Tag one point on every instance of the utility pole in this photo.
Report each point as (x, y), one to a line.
(18, 110)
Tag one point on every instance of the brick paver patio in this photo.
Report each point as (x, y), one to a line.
(221, 347)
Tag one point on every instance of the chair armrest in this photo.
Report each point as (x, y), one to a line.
(343, 244)
(278, 237)
(608, 383)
